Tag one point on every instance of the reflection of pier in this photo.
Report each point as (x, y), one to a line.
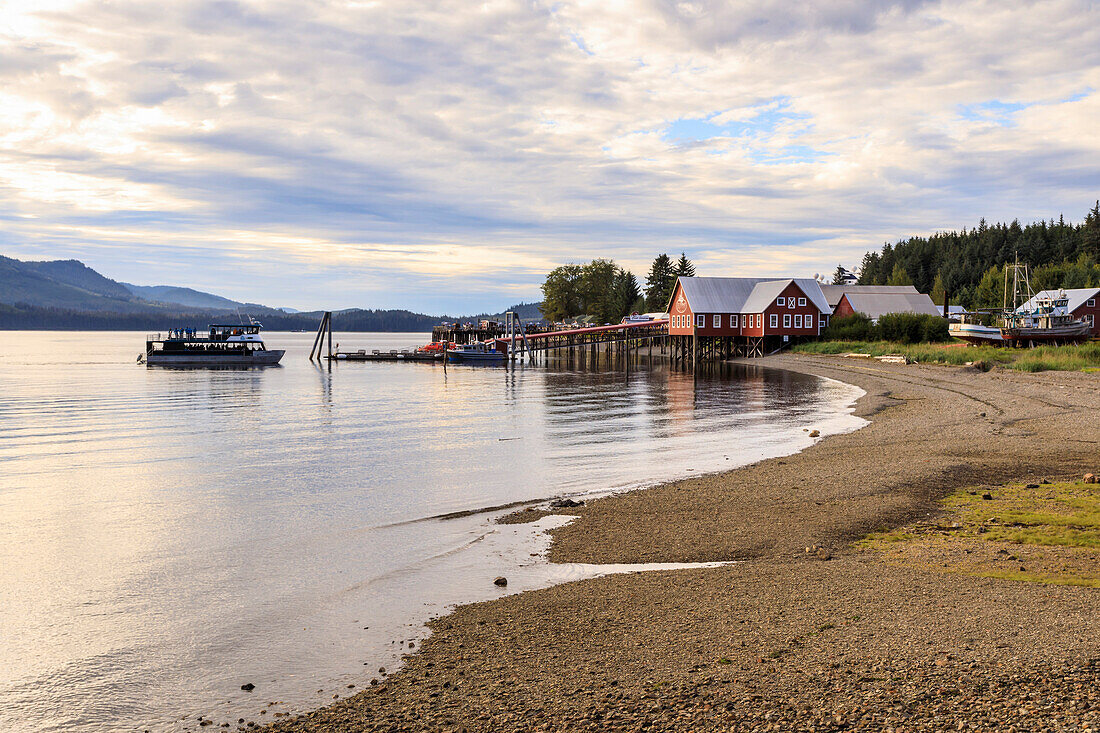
(619, 340)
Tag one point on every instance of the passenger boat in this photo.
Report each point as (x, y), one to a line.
(475, 353)
(224, 344)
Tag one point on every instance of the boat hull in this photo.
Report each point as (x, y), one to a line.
(488, 358)
(1071, 332)
(248, 358)
(976, 334)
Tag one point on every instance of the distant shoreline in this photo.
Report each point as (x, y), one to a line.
(832, 637)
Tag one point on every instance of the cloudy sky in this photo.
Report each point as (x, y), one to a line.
(443, 156)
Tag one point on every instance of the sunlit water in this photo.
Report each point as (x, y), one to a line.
(169, 535)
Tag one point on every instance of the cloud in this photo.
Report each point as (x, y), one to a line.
(435, 154)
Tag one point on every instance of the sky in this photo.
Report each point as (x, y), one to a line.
(444, 156)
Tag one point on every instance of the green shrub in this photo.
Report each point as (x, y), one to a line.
(856, 327)
(912, 328)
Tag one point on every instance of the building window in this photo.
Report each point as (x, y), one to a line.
(780, 302)
(823, 321)
(701, 320)
(802, 301)
(1089, 318)
(733, 321)
(798, 321)
(759, 320)
(717, 321)
(786, 320)
(1092, 302)
(773, 320)
(790, 302)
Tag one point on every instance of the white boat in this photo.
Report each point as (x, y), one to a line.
(223, 345)
(976, 333)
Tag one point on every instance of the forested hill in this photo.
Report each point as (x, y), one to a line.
(968, 265)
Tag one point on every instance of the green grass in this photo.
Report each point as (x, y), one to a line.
(1083, 357)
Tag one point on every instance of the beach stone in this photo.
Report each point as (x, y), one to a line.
(1031, 486)
(501, 581)
(815, 433)
(248, 687)
(1090, 478)
(987, 497)
(823, 554)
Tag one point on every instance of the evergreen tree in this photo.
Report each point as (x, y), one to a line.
(839, 275)
(626, 294)
(659, 283)
(898, 276)
(684, 268)
(938, 293)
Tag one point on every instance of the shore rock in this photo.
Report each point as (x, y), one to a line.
(501, 581)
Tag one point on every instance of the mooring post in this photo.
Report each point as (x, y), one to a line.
(328, 322)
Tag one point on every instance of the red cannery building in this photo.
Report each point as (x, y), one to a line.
(742, 316)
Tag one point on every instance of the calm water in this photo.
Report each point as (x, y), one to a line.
(168, 535)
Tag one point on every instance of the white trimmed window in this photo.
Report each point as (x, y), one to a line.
(798, 320)
(700, 320)
(790, 302)
(759, 320)
(717, 321)
(786, 320)
(780, 302)
(733, 321)
(773, 320)
(1089, 318)
(823, 321)
(1092, 302)
(802, 301)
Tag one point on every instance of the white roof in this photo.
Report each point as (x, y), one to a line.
(1077, 298)
(744, 294)
(833, 293)
(875, 305)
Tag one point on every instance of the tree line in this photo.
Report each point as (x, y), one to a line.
(607, 292)
(968, 266)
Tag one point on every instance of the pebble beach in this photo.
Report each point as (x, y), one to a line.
(809, 630)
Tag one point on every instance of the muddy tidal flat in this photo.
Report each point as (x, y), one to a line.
(814, 630)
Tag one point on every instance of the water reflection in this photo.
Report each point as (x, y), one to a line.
(164, 533)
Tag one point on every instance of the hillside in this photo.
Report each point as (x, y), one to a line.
(969, 264)
(185, 296)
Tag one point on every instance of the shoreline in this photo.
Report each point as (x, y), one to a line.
(783, 635)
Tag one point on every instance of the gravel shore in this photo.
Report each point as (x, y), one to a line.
(832, 639)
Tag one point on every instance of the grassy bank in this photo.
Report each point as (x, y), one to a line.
(1044, 358)
(1045, 533)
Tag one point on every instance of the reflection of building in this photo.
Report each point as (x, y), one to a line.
(726, 316)
(1083, 305)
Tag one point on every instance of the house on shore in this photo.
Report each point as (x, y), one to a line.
(721, 317)
(875, 301)
(1083, 304)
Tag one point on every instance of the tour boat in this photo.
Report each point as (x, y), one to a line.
(475, 353)
(229, 345)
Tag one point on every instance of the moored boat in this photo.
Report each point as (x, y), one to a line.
(976, 333)
(475, 353)
(1044, 320)
(222, 345)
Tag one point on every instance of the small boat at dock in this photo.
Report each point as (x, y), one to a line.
(222, 345)
(476, 353)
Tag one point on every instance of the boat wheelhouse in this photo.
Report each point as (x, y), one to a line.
(1045, 319)
(238, 344)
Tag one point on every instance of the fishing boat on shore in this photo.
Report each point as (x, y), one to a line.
(222, 345)
(1045, 320)
(476, 353)
(971, 331)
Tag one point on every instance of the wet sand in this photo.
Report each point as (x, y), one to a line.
(834, 639)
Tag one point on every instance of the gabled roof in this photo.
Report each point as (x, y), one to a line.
(833, 293)
(1077, 298)
(744, 294)
(765, 294)
(875, 305)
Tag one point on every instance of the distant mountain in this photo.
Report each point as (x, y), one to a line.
(184, 296)
(63, 284)
(68, 295)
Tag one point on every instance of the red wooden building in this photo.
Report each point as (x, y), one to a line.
(740, 316)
